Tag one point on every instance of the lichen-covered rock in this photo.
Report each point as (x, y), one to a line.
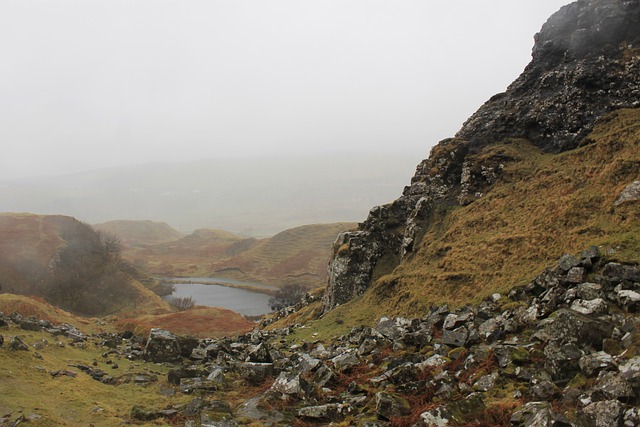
(162, 346)
(606, 413)
(631, 193)
(390, 405)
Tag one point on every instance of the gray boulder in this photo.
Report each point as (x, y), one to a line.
(162, 346)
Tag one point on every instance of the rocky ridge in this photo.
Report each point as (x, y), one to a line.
(561, 350)
(585, 64)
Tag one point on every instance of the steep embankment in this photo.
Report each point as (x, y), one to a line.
(536, 172)
(135, 233)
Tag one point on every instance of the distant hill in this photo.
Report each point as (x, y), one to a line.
(140, 233)
(297, 255)
(70, 265)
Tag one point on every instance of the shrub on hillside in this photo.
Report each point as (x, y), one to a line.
(182, 303)
(286, 296)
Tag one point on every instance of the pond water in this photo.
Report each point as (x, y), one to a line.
(239, 300)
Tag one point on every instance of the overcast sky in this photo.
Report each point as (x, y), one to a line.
(94, 83)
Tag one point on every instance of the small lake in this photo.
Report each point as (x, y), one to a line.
(240, 300)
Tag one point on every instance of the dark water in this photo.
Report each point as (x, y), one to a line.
(239, 300)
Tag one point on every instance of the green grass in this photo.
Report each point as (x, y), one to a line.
(27, 387)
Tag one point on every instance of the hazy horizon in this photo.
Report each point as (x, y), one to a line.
(87, 85)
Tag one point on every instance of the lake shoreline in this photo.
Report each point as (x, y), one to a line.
(262, 289)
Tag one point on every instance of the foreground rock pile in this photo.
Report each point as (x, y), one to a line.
(563, 350)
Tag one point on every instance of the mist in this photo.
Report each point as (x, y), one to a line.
(104, 83)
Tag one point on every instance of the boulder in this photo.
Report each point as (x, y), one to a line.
(606, 413)
(591, 364)
(630, 371)
(611, 385)
(457, 337)
(332, 412)
(293, 385)
(345, 361)
(16, 344)
(162, 346)
(595, 306)
(391, 405)
(569, 326)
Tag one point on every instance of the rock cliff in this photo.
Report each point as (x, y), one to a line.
(585, 64)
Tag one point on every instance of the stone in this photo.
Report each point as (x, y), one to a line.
(254, 373)
(606, 413)
(345, 361)
(162, 346)
(631, 417)
(628, 299)
(175, 375)
(140, 414)
(569, 326)
(537, 414)
(293, 385)
(545, 390)
(487, 382)
(595, 306)
(332, 412)
(390, 405)
(591, 364)
(562, 361)
(630, 371)
(567, 262)
(589, 291)
(456, 338)
(610, 385)
(30, 324)
(631, 193)
(454, 413)
(575, 275)
(16, 344)
(259, 354)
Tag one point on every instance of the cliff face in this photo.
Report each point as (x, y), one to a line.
(585, 64)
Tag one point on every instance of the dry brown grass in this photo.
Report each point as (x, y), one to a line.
(199, 322)
(543, 206)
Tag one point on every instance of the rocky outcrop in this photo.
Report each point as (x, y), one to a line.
(585, 64)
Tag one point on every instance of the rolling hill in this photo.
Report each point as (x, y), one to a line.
(134, 233)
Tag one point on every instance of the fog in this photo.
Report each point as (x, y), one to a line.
(88, 84)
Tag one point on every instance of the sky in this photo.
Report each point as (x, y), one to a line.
(88, 84)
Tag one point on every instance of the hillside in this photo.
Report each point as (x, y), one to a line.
(535, 173)
(140, 233)
(70, 265)
(297, 255)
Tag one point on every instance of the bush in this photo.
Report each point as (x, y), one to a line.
(182, 303)
(286, 296)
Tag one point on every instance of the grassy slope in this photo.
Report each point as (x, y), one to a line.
(298, 255)
(543, 206)
(189, 256)
(78, 401)
(140, 233)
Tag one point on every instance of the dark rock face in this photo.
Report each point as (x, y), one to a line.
(578, 73)
(585, 64)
